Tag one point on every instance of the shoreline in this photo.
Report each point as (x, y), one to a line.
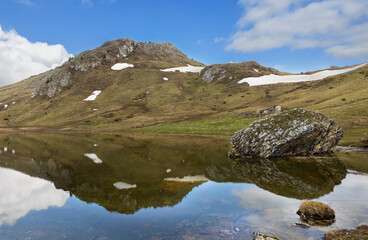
(349, 140)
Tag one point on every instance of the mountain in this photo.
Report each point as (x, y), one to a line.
(135, 84)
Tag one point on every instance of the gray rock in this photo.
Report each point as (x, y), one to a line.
(210, 74)
(260, 236)
(263, 112)
(289, 133)
(54, 81)
(301, 225)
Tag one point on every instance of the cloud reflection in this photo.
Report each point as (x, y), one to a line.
(20, 193)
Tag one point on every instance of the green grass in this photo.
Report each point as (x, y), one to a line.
(353, 136)
(220, 125)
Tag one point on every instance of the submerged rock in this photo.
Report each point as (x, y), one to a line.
(260, 236)
(315, 212)
(301, 225)
(289, 133)
(361, 232)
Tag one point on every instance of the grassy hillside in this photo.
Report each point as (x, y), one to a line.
(139, 98)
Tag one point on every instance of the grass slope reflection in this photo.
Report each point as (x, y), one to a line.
(140, 163)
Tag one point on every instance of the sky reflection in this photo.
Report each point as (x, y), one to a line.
(21, 193)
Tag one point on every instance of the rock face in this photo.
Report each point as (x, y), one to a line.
(289, 133)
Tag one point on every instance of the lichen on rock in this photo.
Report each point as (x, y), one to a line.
(289, 133)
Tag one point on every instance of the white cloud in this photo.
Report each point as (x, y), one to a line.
(218, 39)
(25, 2)
(337, 26)
(20, 58)
(88, 3)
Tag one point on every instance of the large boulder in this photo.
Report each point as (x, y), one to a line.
(289, 133)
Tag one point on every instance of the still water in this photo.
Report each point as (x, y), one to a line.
(75, 186)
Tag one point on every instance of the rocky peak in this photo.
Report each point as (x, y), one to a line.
(109, 53)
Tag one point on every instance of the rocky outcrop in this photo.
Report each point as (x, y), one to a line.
(262, 112)
(234, 72)
(214, 73)
(289, 133)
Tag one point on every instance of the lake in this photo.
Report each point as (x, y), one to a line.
(145, 186)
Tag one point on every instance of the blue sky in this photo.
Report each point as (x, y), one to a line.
(291, 35)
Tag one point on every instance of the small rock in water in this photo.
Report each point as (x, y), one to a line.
(317, 213)
(236, 229)
(260, 236)
(302, 225)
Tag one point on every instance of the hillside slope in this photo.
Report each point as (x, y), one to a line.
(143, 95)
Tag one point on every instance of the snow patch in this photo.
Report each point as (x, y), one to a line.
(256, 70)
(13, 102)
(5, 149)
(5, 106)
(95, 109)
(165, 79)
(168, 170)
(121, 66)
(93, 96)
(190, 179)
(273, 79)
(189, 68)
(94, 158)
(123, 185)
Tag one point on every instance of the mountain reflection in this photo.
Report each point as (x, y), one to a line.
(131, 173)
